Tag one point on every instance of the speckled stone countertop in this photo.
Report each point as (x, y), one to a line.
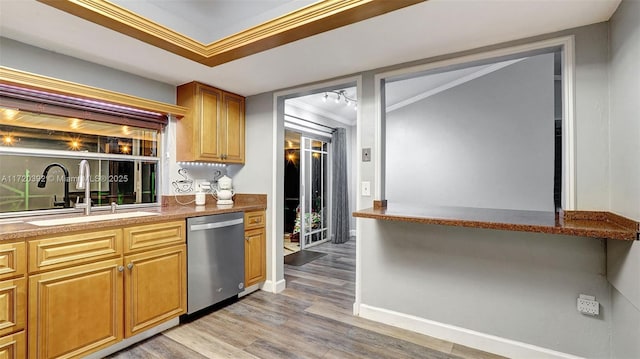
(18, 228)
(576, 223)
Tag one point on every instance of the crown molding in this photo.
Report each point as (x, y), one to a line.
(308, 21)
(38, 82)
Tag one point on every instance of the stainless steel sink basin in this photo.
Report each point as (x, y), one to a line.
(94, 218)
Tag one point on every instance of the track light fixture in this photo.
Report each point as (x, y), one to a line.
(341, 96)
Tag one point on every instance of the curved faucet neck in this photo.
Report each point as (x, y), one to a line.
(84, 181)
(43, 181)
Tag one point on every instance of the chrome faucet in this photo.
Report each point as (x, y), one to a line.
(83, 182)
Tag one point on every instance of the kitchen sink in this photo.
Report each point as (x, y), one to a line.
(94, 218)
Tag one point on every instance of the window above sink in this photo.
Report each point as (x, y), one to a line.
(40, 153)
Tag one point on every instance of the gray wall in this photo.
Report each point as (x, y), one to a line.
(20, 56)
(486, 143)
(520, 286)
(257, 175)
(624, 258)
(582, 272)
(395, 257)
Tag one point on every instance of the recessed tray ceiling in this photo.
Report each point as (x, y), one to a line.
(212, 20)
(295, 25)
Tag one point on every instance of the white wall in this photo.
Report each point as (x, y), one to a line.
(624, 258)
(486, 143)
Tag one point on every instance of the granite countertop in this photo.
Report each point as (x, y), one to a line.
(577, 223)
(18, 228)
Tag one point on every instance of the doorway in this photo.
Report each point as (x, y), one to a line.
(317, 132)
(307, 191)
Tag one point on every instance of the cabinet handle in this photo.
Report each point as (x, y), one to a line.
(120, 268)
(246, 239)
(130, 265)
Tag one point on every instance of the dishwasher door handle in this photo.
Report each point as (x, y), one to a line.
(204, 226)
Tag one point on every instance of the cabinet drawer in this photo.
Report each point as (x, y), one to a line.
(13, 305)
(61, 251)
(154, 235)
(13, 260)
(254, 219)
(13, 346)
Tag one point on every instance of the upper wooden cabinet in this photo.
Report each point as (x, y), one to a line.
(213, 129)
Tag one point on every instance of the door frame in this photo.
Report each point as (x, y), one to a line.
(275, 263)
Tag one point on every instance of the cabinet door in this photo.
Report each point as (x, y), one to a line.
(13, 305)
(75, 311)
(155, 288)
(210, 101)
(254, 257)
(232, 128)
(13, 346)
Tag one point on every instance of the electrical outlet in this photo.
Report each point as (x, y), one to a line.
(366, 188)
(588, 305)
(366, 155)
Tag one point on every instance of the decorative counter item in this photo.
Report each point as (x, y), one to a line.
(224, 193)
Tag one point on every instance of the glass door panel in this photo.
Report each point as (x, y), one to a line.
(314, 190)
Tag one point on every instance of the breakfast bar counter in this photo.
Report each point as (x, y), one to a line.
(577, 223)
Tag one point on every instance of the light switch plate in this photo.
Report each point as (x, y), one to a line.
(366, 188)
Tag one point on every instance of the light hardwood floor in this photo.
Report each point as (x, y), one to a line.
(311, 318)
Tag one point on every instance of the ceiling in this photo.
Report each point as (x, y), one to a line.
(427, 29)
(328, 105)
(211, 20)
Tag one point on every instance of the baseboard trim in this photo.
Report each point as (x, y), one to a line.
(356, 308)
(277, 287)
(486, 342)
(250, 289)
(134, 339)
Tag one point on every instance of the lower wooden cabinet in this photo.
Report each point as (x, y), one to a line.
(82, 308)
(13, 300)
(155, 288)
(255, 256)
(75, 311)
(13, 346)
(13, 305)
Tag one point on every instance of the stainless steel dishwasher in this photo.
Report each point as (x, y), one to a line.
(215, 259)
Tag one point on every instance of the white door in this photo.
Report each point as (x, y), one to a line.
(314, 192)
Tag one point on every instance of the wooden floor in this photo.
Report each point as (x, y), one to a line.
(311, 318)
